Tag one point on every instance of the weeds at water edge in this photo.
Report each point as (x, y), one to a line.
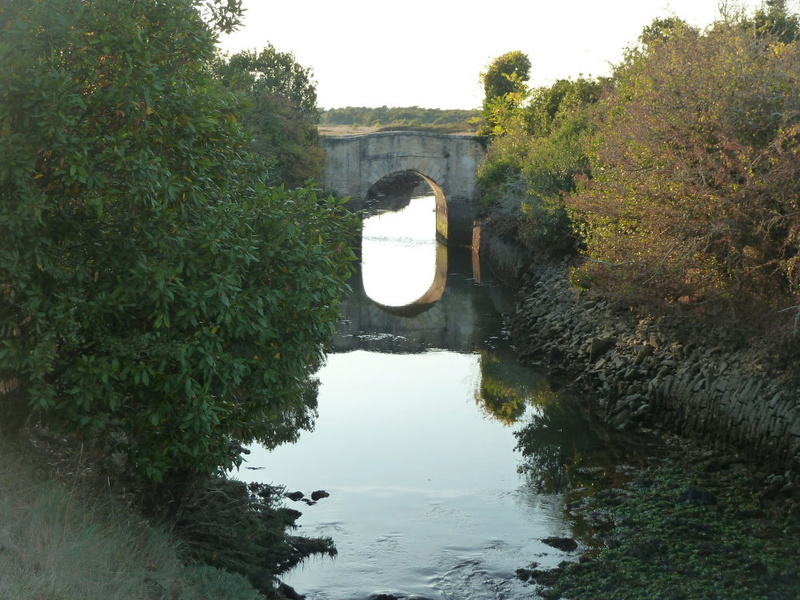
(57, 541)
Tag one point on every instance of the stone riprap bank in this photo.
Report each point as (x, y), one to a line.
(639, 372)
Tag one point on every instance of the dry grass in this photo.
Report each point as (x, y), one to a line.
(345, 129)
(452, 129)
(58, 542)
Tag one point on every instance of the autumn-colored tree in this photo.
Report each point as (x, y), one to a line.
(695, 175)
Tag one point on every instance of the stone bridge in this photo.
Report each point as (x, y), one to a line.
(353, 163)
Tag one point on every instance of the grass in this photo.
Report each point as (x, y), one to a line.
(61, 542)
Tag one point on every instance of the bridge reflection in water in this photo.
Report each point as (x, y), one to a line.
(449, 316)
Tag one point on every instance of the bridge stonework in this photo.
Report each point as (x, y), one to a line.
(448, 163)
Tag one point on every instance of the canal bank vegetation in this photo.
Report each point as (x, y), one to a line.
(674, 180)
(667, 192)
(697, 528)
(59, 539)
(167, 286)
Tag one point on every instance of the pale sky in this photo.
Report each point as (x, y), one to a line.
(429, 53)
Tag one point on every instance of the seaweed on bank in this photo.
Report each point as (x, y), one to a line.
(685, 533)
(243, 528)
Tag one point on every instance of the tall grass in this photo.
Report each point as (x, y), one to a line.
(58, 542)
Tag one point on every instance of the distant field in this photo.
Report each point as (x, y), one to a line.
(362, 129)
(345, 129)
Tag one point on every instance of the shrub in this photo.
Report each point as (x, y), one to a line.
(156, 294)
(58, 540)
(537, 161)
(695, 172)
(242, 528)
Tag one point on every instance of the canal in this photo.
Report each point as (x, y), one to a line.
(444, 460)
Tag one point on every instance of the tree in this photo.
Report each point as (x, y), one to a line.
(550, 107)
(774, 20)
(412, 118)
(505, 89)
(156, 295)
(537, 161)
(506, 74)
(273, 72)
(280, 111)
(695, 174)
(661, 30)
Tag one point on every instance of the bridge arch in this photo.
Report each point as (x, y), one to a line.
(448, 163)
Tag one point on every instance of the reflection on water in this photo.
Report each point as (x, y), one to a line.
(419, 420)
(398, 253)
(425, 490)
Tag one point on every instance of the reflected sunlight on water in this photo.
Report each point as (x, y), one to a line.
(399, 253)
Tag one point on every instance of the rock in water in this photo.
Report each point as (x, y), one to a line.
(561, 543)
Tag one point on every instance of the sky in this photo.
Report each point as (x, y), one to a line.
(429, 53)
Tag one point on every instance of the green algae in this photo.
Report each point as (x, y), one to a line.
(681, 532)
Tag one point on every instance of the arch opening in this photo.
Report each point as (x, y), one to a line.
(403, 257)
(448, 162)
(395, 190)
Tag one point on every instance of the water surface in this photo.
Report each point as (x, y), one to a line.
(415, 436)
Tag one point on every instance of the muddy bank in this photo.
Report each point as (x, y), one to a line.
(643, 372)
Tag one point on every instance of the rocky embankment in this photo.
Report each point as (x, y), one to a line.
(641, 372)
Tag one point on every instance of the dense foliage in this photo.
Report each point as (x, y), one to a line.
(156, 293)
(241, 528)
(504, 89)
(280, 111)
(506, 74)
(535, 161)
(695, 173)
(61, 540)
(678, 173)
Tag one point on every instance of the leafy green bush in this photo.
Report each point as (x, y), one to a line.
(536, 160)
(155, 292)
